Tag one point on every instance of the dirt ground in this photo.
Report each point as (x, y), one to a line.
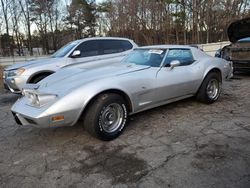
(184, 144)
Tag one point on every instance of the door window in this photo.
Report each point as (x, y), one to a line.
(89, 48)
(183, 55)
(102, 47)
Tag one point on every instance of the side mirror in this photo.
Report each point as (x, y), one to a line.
(76, 53)
(174, 64)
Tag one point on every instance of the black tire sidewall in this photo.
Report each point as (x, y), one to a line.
(101, 104)
(202, 94)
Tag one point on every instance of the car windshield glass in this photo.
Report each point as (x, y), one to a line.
(148, 57)
(65, 49)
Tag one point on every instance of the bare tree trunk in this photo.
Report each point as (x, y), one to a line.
(26, 14)
(5, 6)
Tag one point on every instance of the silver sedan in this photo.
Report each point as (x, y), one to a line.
(104, 97)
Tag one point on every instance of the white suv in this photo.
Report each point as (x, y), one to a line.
(93, 52)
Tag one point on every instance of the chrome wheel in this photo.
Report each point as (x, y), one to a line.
(111, 117)
(213, 89)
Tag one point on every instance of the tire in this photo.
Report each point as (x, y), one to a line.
(210, 88)
(106, 116)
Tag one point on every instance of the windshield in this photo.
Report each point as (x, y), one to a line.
(148, 57)
(65, 49)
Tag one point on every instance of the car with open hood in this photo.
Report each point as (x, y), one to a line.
(239, 50)
(92, 52)
(104, 97)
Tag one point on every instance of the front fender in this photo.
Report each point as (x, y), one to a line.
(78, 99)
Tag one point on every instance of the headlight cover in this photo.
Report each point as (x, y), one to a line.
(16, 72)
(37, 99)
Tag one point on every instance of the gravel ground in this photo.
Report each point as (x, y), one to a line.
(184, 144)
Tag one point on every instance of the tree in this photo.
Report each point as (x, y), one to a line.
(25, 7)
(16, 14)
(7, 38)
(82, 18)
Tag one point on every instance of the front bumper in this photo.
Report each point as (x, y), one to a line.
(27, 115)
(14, 84)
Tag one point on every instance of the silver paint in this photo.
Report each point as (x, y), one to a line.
(34, 67)
(145, 87)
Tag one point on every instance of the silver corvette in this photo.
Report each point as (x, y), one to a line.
(103, 97)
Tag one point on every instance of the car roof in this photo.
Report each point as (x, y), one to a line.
(167, 46)
(103, 38)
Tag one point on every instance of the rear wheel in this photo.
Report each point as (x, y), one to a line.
(210, 89)
(106, 116)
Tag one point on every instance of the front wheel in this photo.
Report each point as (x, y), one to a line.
(106, 116)
(210, 89)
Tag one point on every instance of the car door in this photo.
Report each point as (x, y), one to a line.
(89, 51)
(178, 81)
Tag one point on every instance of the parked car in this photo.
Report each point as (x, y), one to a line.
(104, 97)
(88, 51)
(239, 50)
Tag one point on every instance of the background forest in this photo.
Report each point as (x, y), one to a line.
(26, 25)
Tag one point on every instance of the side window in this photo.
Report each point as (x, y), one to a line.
(183, 55)
(126, 45)
(114, 46)
(89, 48)
(110, 46)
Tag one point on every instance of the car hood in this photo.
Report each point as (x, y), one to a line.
(32, 63)
(238, 30)
(69, 78)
